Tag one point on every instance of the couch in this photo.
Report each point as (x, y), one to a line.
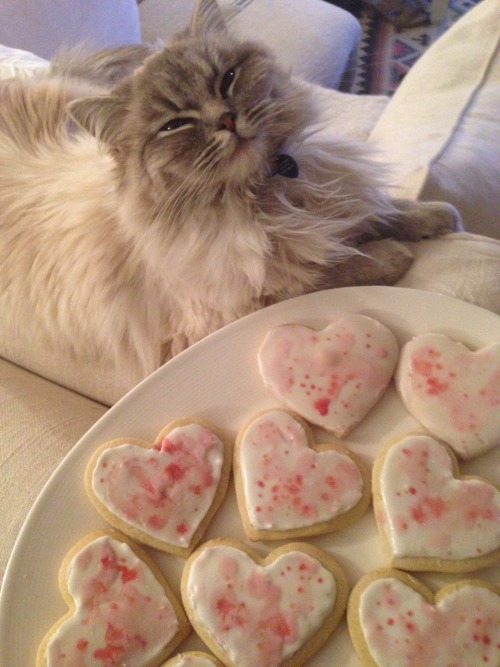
(440, 133)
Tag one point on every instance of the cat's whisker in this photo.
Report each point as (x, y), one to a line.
(208, 148)
(253, 113)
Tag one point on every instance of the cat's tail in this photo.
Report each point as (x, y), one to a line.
(105, 68)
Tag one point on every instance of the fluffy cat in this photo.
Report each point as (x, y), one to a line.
(155, 212)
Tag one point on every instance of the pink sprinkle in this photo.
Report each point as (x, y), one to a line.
(322, 405)
(182, 528)
(82, 644)
(174, 471)
(435, 387)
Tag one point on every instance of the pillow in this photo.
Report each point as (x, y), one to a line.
(15, 62)
(316, 40)
(43, 26)
(441, 130)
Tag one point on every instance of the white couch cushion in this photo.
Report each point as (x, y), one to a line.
(316, 40)
(16, 62)
(43, 26)
(441, 130)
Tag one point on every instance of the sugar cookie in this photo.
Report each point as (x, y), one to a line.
(121, 609)
(428, 515)
(271, 612)
(395, 620)
(193, 659)
(165, 494)
(332, 377)
(288, 487)
(452, 391)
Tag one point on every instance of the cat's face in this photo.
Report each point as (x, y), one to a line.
(212, 110)
(205, 111)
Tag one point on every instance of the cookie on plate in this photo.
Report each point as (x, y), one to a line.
(428, 515)
(193, 659)
(452, 391)
(332, 377)
(275, 611)
(394, 619)
(288, 487)
(121, 608)
(163, 494)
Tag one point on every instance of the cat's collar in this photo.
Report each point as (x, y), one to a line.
(284, 165)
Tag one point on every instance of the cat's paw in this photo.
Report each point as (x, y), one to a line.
(416, 220)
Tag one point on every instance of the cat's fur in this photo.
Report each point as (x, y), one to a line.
(123, 235)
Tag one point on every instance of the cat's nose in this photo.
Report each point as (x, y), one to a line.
(228, 121)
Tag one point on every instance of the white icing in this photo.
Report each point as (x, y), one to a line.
(453, 392)
(193, 661)
(259, 615)
(401, 629)
(166, 490)
(288, 485)
(331, 377)
(122, 614)
(430, 513)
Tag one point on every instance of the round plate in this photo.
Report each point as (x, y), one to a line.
(218, 379)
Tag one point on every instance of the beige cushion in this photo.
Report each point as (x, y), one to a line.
(39, 423)
(465, 266)
(441, 130)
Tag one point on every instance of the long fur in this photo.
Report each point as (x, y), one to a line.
(122, 239)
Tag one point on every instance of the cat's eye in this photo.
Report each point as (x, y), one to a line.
(227, 82)
(175, 124)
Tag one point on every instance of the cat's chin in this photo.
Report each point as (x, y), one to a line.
(245, 160)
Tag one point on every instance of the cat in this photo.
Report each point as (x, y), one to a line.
(150, 197)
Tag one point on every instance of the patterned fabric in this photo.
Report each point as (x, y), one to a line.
(403, 13)
(386, 52)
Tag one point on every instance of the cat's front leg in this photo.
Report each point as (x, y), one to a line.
(417, 220)
(381, 262)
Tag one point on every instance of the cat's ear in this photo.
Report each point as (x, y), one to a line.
(100, 116)
(207, 18)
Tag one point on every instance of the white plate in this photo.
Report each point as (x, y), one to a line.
(218, 379)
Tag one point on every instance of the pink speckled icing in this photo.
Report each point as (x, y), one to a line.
(165, 491)
(331, 377)
(453, 392)
(122, 615)
(428, 512)
(258, 615)
(286, 484)
(401, 629)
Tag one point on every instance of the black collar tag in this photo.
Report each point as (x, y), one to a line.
(286, 166)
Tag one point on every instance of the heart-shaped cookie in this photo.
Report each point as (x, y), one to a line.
(165, 494)
(429, 517)
(452, 391)
(271, 612)
(331, 377)
(288, 487)
(193, 659)
(121, 609)
(395, 620)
